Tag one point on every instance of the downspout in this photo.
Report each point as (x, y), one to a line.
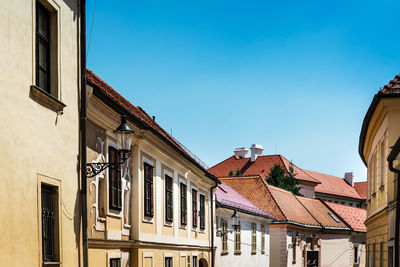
(392, 157)
(83, 120)
(212, 223)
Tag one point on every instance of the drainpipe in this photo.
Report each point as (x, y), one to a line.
(212, 223)
(392, 157)
(83, 120)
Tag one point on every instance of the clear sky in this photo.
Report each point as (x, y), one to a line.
(296, 77)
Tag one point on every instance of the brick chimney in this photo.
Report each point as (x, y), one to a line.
(256, 150)
(348, 177)
(241, 152)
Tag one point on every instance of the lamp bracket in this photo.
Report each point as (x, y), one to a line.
(95, 168)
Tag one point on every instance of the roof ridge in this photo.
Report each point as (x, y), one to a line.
(309, 212)
(273, 198)
(283, 157)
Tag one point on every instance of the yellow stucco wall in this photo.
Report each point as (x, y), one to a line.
(37, 144)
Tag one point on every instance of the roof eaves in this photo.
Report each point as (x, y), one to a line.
(224, 205)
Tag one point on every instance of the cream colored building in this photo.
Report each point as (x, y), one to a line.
(380, 130)
(161, 212)
(39, 140)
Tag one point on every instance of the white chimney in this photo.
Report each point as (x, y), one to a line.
(256, 150)
(348, 177)
(241, 152)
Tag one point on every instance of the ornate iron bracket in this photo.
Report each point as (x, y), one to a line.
(95, 168)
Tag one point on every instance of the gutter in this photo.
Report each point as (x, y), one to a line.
(83, 120)
(392, 157)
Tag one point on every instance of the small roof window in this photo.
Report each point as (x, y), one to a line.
(333, 217)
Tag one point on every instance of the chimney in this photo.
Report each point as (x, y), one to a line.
(348, 177)
(256, 150)
(241, 152)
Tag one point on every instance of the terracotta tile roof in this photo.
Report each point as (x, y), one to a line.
(393, 87)
(361, 188)
(353, 216)
(321, 213)
(282, 204)
(261, 166)
(333, 185)
(141, 116)
(291, 207)
(229, 197)
(256, 191)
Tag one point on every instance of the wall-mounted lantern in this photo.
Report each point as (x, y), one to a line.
(124, 135)
(234, 221)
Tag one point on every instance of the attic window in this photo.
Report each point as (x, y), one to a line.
(356, 218)
(333, 217)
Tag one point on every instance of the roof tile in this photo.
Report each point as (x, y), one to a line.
(353, 216)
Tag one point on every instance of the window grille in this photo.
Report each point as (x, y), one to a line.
(168, 199)
(42, 47)
(202, 212)
(48, 223)
(183, 204)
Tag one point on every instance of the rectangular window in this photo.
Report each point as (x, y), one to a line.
(381, 254)
(373, 254)
(168, 262)
(49, 223)
(294, 240)
(382, 161)
(148, 190)
(42, 47)
(262, 239)
(237, 240)
(114, 176)
(194, 208)
(374, 173)
(253, 238)
(194, 261)
(390, 256)
(169, 210)
(224, 237)
(183, 204)
(115, 262)
(202, 212)
(355, 254)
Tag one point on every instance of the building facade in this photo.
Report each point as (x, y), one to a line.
(380, 130)
(39, 184)
(156, 210)
(245, 244)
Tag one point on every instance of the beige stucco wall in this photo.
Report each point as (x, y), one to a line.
(36, 144)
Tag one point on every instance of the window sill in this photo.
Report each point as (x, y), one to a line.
(238, 252)
(45, 99)
(51, 263)
(253, 252)
(224, 252)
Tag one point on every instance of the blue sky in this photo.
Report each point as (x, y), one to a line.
(294, 76)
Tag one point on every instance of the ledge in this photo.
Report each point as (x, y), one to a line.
(45, 99)
(54, 263)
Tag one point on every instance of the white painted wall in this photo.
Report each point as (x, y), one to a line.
(246, 258)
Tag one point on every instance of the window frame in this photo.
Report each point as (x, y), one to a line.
(148, 190)
(169, 258)
(114, 180)
(169, 198)
(183, 203)
(116, 260)
(45, 41)
(224, 238)
(382, 164)
(194, 207)
(356, 252)
(202, 211)
(253, 238)
(262, 239)
(54, 224)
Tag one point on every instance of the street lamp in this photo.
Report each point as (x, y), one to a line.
(124, 135)
(234, 222)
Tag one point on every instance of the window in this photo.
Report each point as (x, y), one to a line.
(381, 254)
(262, 239)
(194, 261)
(373, 253)
(237, 240)
(169, 210)
(202, 212)
(49, 223)
(42, 47)
(224, 237)
(115, 262)
(148, 190)
(194, 208)
(168, 262)
(373, 173)
(114, 176)
(294, 241)
(382, 161)
(390, 256)
(355, 254)
(253, 238)
(333, 217)
(183, 204)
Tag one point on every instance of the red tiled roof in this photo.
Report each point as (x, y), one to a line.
(361, 188)
(229, 197)
(282, 204)
(333, 185)
(261, 166)
(138, 113)
(393, 87)
(321, 213)
(353, 216)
